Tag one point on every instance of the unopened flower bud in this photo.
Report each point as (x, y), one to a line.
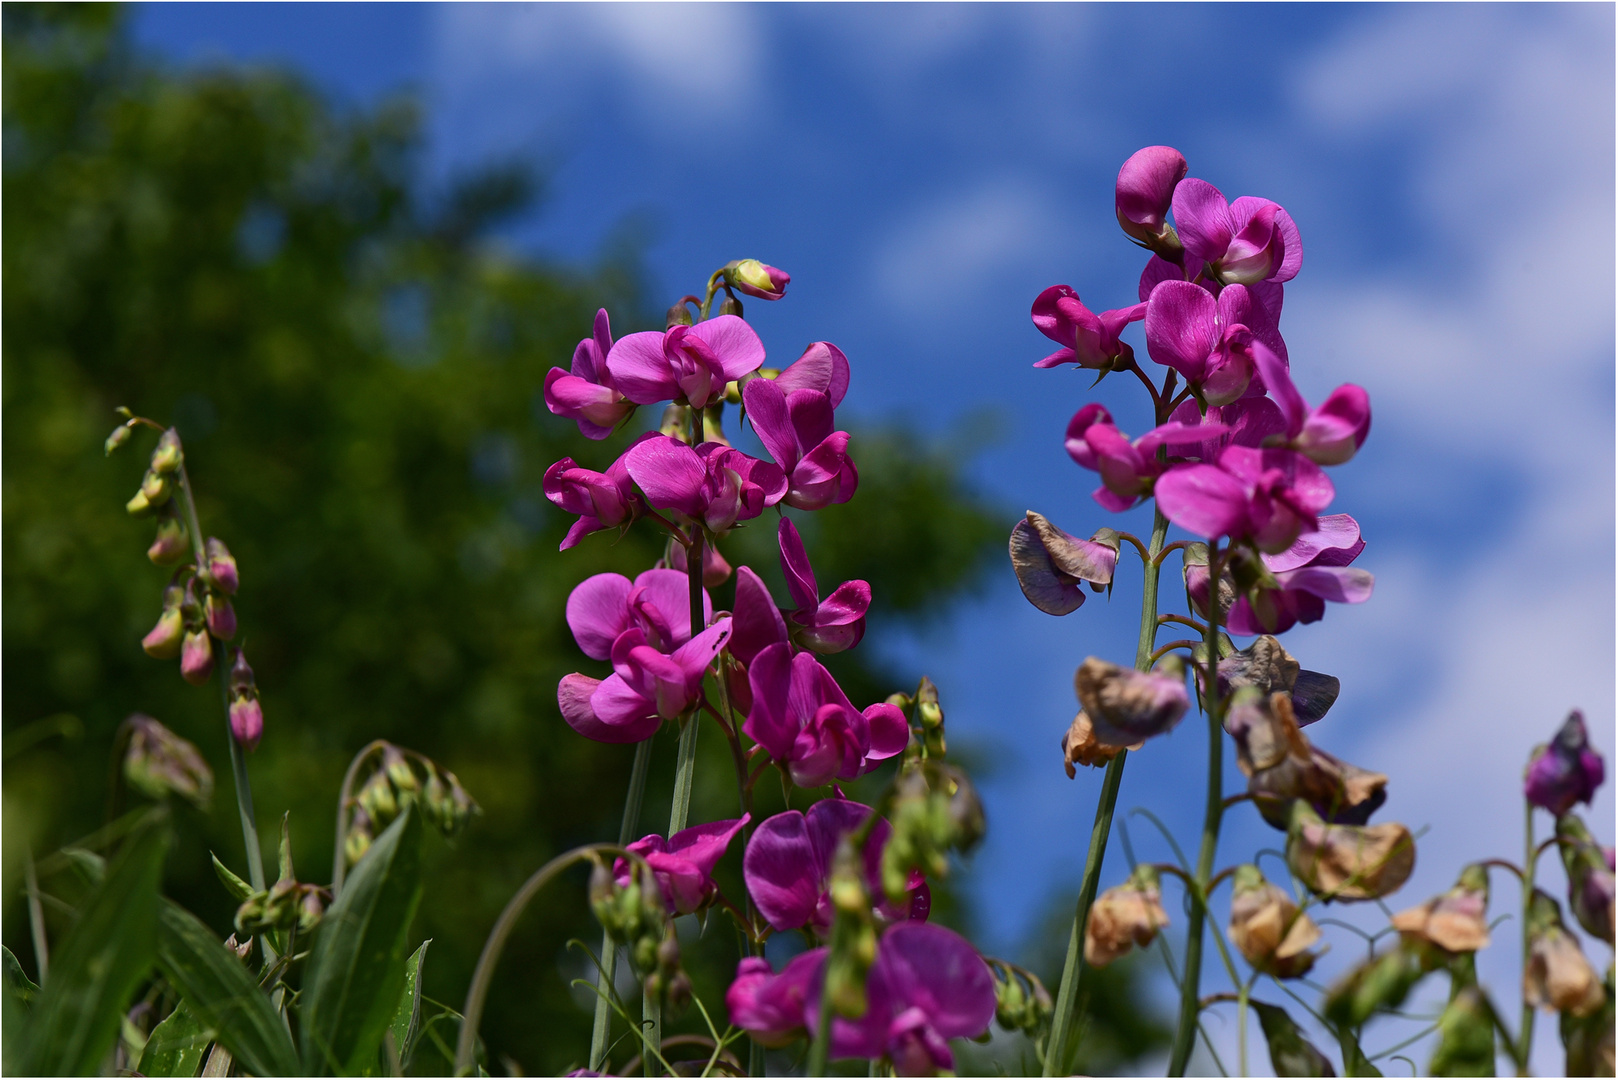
(1266, 925)
(167, 457)
(400, 774)
(359, 837)
(1589, 866)
(730, 306)
(674, 423)
(311, 908)
(196, 656)
(220, 571)
(1126, 706)
(1290, 1053)
(172, 541)
(219, 615)
(247, 722)
(1382, 982)
(1465, 1036)
(1081, 747)
(847, 885)
(1123, 917)
(1455, 921)
(1145, 190)
(1010, 1003)
(713, 424)
(119, 436)
(377, 799)
(1566, 771)
(159, 763)
(1557, 976)
(241, 949)
(678, 315)
(1589, 1039)
(155, 490)
(163, 640)
(1348, 862)
(756, 279)
(679, 994)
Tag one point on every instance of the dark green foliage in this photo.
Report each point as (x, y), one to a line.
(354, 368)
(175, 1046)
(1290, 1053)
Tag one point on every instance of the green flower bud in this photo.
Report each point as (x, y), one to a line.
(1465, 1037)
(172, 540)
(158, 763)
(119, 436)
(166, 459)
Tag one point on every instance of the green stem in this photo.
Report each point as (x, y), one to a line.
(1525, 1029)
(36, 916)
(1241, 1028)
(609, 948)
(1067, 994)
(1190, 989)
(339, 860)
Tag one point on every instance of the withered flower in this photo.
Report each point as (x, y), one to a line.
(1052, 566)
(1348, 862)
(1268, 928)
(1455, 921)
(1557, 976)
(1267, 666)
(1123, 917)
(1126, 706)
(1081, 747)
(1282, 765)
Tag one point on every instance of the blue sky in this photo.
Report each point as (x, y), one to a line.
(924, 171)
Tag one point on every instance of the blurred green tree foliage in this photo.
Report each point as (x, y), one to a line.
(355, 369)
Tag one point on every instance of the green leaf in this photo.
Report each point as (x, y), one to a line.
(1355, 1063)
(1290, 1053)
(222, 994)
(406, 1022)
(238, 889)
(175, 1046)
(356, 971)
(101, 963)
(25, 988)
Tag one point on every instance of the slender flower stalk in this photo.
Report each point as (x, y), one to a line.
(1062, 1017)
(609, 948)
(1190, 999)
(1525, 1028)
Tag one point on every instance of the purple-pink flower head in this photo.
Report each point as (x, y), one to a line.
(1087, 339)
(689, 365)
(822, 626)
(1146, 189)
(683, 864)
(757, 279)
(1209, 340)
(1294, 585)
(602, 500)
(787, 867)
(927, 985)
(756, 622)
(1267, 496)
(1565, 771)
(770, 1007)
(587, 395)
(796, 427)
(657, 603)
(1052, 565)
(822, 367)
(712, 485)
(803, 718)
(1328, 435)
(646, 687)
(1128, 469)
(1244, 242)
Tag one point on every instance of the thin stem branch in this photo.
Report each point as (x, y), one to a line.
(1161, 651)
(339, 863)
(1525, 1027)
(1183, 620)
(36, 916)
(1056, 1054)
(600, 1033)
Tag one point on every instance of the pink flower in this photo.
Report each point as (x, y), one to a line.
(771, 1007)
(1266, 496)
(787, 867)
(657, 604)
(803, 718)
(712, 485)
(1146, 189)
(796, 427)
(1211, 341)
(689, 365)
(1087, 339)
(1128, 469)
(823, 626)
(1244, 242)
(646, 687)
(1328, 435)
(1565, 771)
(588, 394)
(683, 864)
(602, 500)
(757, 279)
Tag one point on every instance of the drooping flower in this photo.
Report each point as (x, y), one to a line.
(1213, 342)
(787, 867)
(796, 427)
(1565, 771)
(1123, 917)
(1145, 192)
(1087, 339)
(712, 485)
(602, 500)
(657, 604)
(588, 395)
(1589, 866)
(1348, 862)
(1051, 565)
(1557, 976)
(1081, 747)
(1282, 765)
(646, 687)
(1455, 921)
(1128, 469)
(159, 763)
(689, 365)
(803, 718)
(770, 1007)
(1267, 496)
(823, 626)
(683, 864)
(1126, 706)
(1244, 242)
(1267, 926)
(1266, 666)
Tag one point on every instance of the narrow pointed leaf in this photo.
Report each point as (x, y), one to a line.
(24, 987)
(1290, 1053)
(175, 1046)
(101, 963)
(356, 971)
(406, 1022)
(238, 889)
(222, 994)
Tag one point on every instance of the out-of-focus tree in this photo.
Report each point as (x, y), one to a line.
(354, 365)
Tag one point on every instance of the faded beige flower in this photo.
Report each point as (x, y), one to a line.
(1123, 917)
(1455, 921)
(1557, 976)
(1348, 862)
(1081, 747)
(1282, 765)
(1266, 925)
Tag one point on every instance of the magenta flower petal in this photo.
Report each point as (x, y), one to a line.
(1145, 189)
(767, 411)
(822, 367)
(770, 1007)
(598, 611)
(1202, 218)
(935, 969)
(1336, 542)
(781, 873)
(1077, 447)
(1181, 328)
(632, 716)
(890, 731)
(639, 369)
(596, 408)
(668, 472)
(756, 622)
(769, 723)
(683, 864)
(1565, 771)
(825, 475)
(795, 565)
(1336, 430)
(1203, 499)
(735, 345)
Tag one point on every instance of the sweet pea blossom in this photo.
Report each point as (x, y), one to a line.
(656, 603)
(646, 687)
(1125, 705)
(803, 718)
(757, 279)
(712, 485)
(1267, 496)
(689, 365)
(1128, 469)
(927, 985)
(602, 500)
(1212, 341)
(1566, 771)
(787, 867)
(823, 626)
(1328, 435)
(1051, 564)
(822, 367)
(588, 395)
(683, 864)
(1087, 339)
(796, 427)
(1243, 242)
(1293, 585)
(1145, 191)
